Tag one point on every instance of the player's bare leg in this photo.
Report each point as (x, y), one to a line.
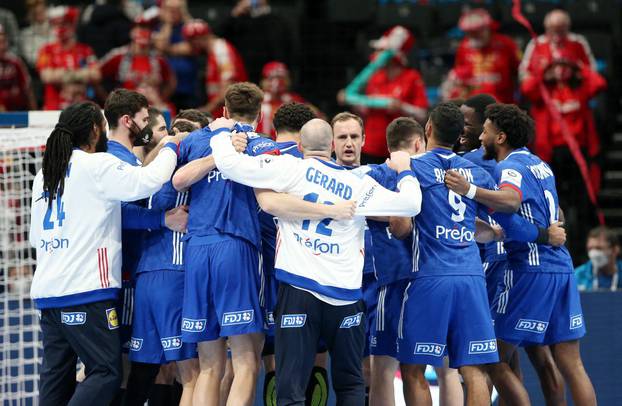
(477, 393)
(568, 358)
(188, 371)
(246, 358)
(416, 387)
(551, 379)
(450, 387)
(515, 367)
(381, 390)
(212, 358)
(225, 382)
(510, 388)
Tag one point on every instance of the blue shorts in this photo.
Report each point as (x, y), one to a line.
(221, 296)
(156, 333)
(383, 335)
(446, 315)
(268, 294)
(494, 277)
(125, 311)
(370, 297)
(538, 308)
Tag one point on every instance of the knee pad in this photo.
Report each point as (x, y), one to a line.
(317, 389)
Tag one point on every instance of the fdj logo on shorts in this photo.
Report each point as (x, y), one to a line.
(113, 320)
(482, 347)
(433, 349)
(241, 317)
(73, 318)
(193, 326)
(576, 321)
(171, 343)
(533, 326)
(136, 344)
(293, 320)
(352, 321)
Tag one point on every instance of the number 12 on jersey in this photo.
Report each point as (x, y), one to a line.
(322, 226)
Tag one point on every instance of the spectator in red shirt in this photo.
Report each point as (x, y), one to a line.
(393, 90)
(15, 90)
(557, 43)
(138, 66)
(486, 61)
(66, 66)
(224, 65)
(275, 84)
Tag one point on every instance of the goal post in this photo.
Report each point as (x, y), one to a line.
(22, 141)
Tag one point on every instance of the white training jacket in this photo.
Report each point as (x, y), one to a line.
(78, 238)
(324, 257)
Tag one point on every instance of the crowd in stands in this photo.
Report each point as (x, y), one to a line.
(68, 54)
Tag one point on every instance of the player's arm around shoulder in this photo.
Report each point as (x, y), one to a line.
(119, 181)
(507, 199)
(263, 171)
(375, 200)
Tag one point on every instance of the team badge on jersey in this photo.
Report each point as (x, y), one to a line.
(433, 349)
(483, 347)
(241, 317)
(511, 176)
(113, 320)
(352, 321)
(293, 320)
(73, 318)
(534, 326)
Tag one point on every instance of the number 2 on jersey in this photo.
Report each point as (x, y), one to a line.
(322, 226)
(48, 224)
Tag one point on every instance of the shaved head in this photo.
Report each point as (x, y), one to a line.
(557, 24)
(316, 137)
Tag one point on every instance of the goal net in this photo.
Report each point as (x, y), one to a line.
(21, 153)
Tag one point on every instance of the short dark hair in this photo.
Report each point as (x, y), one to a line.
(609, 234)
(196, 116)
(184, 126)
(243, 100)
(401, 131)
(292, 116)
(448, 123)
(154, 113)
(479, 103)
(514, 122)
(121, 102)
(345, 116)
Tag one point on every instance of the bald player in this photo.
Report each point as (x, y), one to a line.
(319, 263)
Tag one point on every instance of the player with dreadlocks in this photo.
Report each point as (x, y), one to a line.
(76, 229)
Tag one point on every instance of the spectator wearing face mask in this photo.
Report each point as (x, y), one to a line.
(603, 270)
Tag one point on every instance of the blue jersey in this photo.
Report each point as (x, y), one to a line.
(268, 222)
(444, 232)
(220, 207)
(392, 257)
(132, 238)
(163, 249)
(535, 181)
(492, 251)
(368, 265)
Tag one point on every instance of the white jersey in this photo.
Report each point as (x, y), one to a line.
(78, 237)
(325, 257)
